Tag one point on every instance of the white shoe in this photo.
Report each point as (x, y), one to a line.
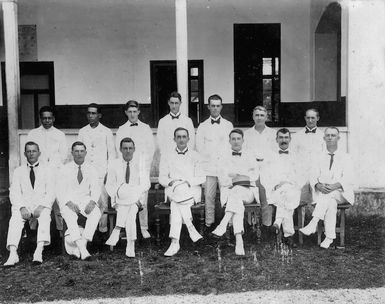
(37, 257)
(309, 228)
(220, 230)
(130, 249)
(194, 234)
(12, 260)
(172, 250)
(239, 250)
(145, 233)
(85, 255)
(114, 238)
(326, 243)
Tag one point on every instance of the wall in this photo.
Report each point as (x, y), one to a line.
(101, 49)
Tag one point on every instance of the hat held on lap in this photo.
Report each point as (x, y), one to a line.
(242, 180)
(181, 192)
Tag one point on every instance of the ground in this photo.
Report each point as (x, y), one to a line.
(207, 269)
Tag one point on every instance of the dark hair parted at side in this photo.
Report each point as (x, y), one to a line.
(283, 131)
(31, 143)
(96, 106)
(175, 94)
(181, 129)
(131, 103)
(126, 140)
(78, 143)
(238, 131)
(46, 109)
(214, 97)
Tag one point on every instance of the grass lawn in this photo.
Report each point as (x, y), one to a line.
(210, 268)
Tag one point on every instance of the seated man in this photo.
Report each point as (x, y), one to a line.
(332, 184)
(181, 175)
(31, 195)
(78, 190)
(283, 178)
(127, 184)
(237, 180)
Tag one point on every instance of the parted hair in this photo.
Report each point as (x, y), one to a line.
(126, 140)
(78, 143)
(181, 129)
(31, 143)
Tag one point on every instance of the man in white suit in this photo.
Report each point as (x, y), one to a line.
(31, 195)
(332, 181)
(127, 184)
(78, 191)
(283, 178)
(170, 122)
(181, 174)
(238, 173)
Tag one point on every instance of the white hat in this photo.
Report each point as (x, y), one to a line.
(70, 245)
(181, 192)
(128, 193)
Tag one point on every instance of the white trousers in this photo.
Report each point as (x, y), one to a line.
(71, 219)
(210, 194)
(326, 210)
(143, 215)
(180, 214)
(16, 225)
(238, 195)
(126, 218)
(285, 216)
(103, 205)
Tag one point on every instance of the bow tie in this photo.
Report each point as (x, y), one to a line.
(183, 153)
(283, 152)
(310, 131)
(174, 117)
(215, 121)
(237, 153)
(134, 124)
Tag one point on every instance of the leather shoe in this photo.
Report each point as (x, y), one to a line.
(219, 231)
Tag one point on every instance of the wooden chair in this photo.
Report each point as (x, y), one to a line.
(253, 213)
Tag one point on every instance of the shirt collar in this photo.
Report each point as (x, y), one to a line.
(175, 115)
(215, 119)
(34, 165)
(310, 130)
(183, 151)
(46, 130)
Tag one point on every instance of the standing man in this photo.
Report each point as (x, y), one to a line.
(100, 152)
(127, 184)
(78, 191)
(211, 142)
(31, 195)
(53, 148)
(181, 175)
(141, 134)
(332, 184)
(283, 178)
(170, 122)
(260, 140)
(237, 180)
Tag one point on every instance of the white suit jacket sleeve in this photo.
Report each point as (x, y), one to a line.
(15, 191)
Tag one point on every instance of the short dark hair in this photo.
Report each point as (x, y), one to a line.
(46, 109)
(314, 110)
(131, 103)
(335, 128)
(94, 105)
(238, 131)
(126, 140)
(175, 94)
(78, 143)
(283, 131)
(214, 97)
(181, 129)
(31, 143)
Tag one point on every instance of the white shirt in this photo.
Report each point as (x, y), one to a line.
(142, 137)
(117, 176)
(211, 141)
(166, 128)
(260, 144)
(186, 167)
(52, 144)
(100, 147)
(21, 192)
(308, 145)
(342, 171)
(69, 189)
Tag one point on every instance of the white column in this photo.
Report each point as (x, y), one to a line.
(12, 74)
(181, 52)
(366, 90)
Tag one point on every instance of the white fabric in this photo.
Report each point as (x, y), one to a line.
(166, 128)
(52, 144)
(142, 137)
(126, 218)
(285, 217)
(179, 214)
(211, 141)
(260, 144)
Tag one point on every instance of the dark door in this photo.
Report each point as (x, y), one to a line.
(164, 81)
(256, 70)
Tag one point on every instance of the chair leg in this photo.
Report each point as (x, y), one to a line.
(157, 225)
(111, 227)
(301, 223)
(319, 232)
(201, 221)
(342, 228)
(258, 224)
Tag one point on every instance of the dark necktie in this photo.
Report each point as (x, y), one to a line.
(128, 173)
(331, 160)
(80, 175)
(310, 131)
(237, 153)
(218, 121)
(32, 176)
(183, 153)
(134, 124)
(174, 117)
(283, 152)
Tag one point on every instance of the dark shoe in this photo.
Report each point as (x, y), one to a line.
(290, 242)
